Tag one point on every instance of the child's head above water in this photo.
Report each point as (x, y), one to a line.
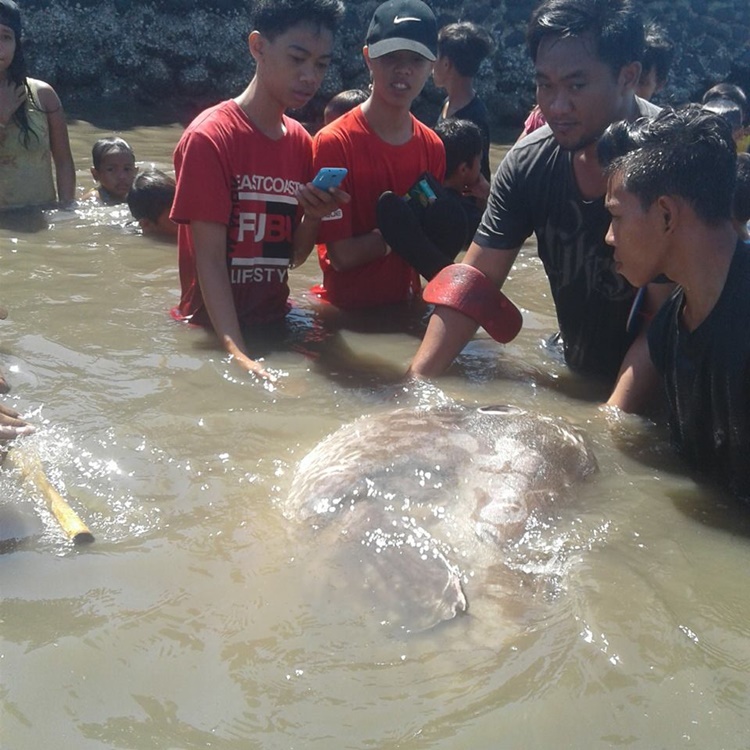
(150, 201)
(114, 168)
(342, 103)
(462, 140)
(731, 112)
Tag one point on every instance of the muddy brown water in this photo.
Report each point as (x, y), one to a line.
(198, 617)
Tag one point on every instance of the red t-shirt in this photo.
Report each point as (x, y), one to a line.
(374, 167)
(231, 173)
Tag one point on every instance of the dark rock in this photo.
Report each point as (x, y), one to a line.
(182, 52)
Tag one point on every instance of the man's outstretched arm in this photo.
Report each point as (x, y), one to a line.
(449, 331)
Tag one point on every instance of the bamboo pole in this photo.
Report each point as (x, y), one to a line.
(30, 467)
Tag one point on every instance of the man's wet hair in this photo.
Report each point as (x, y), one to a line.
(741, 200)
(616, 27)
(151, 194)
(465, 44)
(686, 152)
(729, 91)
(275, 17)
(462, 140)
(658, 52)
(106, 146)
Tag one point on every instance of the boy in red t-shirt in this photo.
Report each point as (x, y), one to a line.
(384, 147)
(243, 204)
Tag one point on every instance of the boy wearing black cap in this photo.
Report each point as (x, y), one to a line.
(384, 148)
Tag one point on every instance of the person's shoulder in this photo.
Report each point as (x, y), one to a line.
(425, 131)
(475, 108)
(343, 128)
(295, 130)
(44, 93)
(530, 147)
(220, 123)
(214, 116)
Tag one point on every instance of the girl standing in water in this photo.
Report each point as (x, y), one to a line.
(33, 131)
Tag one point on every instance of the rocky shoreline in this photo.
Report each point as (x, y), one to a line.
(181, 55)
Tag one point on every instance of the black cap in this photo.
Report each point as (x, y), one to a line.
(403, 25)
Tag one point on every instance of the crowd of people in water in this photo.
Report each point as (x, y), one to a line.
(640, 213)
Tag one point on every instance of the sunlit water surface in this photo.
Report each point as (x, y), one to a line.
(200, 617)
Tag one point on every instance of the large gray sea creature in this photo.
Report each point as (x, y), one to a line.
(418, 500)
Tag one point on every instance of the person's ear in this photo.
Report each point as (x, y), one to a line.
(669, 209)
(256, 44)
(629, 76)
(95, 173)
(147, 226)
(463, 169)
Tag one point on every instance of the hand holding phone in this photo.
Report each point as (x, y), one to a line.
(329, 177)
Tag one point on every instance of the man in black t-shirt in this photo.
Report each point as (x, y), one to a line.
(671, 183)
(586, 56)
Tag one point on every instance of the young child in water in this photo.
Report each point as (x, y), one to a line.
(33, 130)
(464, 151)
(150, 201)
(429, 239)
(114, 169)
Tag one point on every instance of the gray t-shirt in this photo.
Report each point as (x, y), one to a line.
(534, 191)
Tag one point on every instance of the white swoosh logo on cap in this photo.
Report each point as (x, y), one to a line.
(401, 19)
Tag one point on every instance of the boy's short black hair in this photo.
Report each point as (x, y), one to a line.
(686, 152)
(615, 25)
(658, 52)
(462, 140)
(151, 193)
(465, 44)
(741, 200)
(273, 17)
(731, 92)
(344, 101)
(726, 108)
(105, 146)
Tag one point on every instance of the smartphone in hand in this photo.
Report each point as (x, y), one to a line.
(329, 177)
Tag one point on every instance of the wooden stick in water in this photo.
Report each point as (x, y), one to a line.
(29, 465)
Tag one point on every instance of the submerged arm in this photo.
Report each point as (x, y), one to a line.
(638, 380)
(210, 241)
